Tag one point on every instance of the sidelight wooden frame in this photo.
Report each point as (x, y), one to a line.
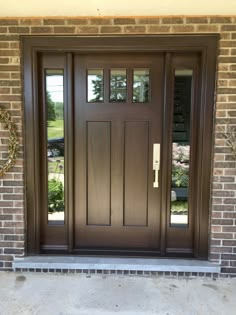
(206, 45)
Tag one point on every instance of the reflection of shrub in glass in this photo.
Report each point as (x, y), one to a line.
(180, 165)
(55, 195)
(55, 187)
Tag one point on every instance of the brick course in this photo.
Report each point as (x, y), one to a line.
(223, 212)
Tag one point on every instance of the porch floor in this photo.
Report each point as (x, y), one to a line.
(115, 264)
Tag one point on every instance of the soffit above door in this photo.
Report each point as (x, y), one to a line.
(100, 8)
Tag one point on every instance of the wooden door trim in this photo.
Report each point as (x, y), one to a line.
(205, 44)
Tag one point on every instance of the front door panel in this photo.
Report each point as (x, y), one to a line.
(116, 124)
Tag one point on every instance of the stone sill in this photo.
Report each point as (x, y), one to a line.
(108, 263)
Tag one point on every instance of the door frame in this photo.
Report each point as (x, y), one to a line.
(33, 46)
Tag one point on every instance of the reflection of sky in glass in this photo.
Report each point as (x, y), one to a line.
(55, 87)
(94, 85)
(91, 95)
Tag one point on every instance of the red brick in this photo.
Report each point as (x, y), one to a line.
(220, 20)
(182, 28)
(158, 29)
(31, 22)
(134, 29)
(228, 28)
(64, 29)
(174, 20)
(4, 45)
(41, 29)
(123, 21)
(110, 29)
(19, 29)
(197, 20)
(99, 21)
(148, 21)
(78, 21)
(207, 28)
(54, 21)
(88, 29)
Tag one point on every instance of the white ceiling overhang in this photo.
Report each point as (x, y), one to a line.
(34, 8)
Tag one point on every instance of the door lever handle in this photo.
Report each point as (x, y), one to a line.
(156, 164)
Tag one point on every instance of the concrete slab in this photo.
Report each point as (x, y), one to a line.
(75, 294)
(108, 263)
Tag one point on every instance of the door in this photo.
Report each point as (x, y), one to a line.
(118, 110)
(98, 113)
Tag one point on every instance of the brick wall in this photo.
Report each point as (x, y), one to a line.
(223, 214)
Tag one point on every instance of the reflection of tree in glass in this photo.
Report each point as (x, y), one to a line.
(117, 88)
(59, 109)
(51, 113)
(180, 165)
(97, 89)
(141, 88)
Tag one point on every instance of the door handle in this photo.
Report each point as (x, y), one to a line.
(156, 163)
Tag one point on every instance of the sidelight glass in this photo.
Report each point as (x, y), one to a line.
(118, 85)
(141, 85)
(181, 126)
(54, 100)
(95, 86)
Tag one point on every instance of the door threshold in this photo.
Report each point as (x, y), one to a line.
(113, 265)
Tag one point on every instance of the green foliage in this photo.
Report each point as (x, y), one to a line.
(55, 195)
(59, 108)
(179, 206)
(180, 176)
(180, 165)
(51, 113)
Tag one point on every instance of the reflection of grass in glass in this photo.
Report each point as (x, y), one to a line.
(55, 129)
(56, 165)
(179, 206)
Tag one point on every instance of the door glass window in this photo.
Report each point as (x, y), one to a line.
(118, 85)
(181, 148)
(141, 85)
(55, 145)
(95, 86)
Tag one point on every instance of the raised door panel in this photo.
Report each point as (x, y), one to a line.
(98, 173)
(136, 169)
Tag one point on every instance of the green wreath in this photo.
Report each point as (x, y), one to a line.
(13, 143)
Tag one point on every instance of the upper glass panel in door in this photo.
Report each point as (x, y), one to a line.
(141, 85)
(118, 85)
(95, 86)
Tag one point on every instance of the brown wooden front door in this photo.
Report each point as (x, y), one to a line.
(96, 110)
(116, 124)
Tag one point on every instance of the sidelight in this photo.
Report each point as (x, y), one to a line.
(55, 145)
(181, 126)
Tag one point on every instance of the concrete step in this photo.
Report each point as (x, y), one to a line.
(115, 263)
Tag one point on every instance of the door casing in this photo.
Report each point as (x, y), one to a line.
(204, 45)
